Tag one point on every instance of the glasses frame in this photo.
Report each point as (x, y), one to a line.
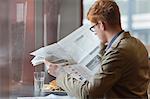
(92, 27)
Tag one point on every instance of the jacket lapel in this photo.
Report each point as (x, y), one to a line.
(118, 40)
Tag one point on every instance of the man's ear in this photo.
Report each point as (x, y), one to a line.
(101, 25)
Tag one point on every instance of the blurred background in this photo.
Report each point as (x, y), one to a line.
(26, 25)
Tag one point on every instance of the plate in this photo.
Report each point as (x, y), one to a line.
(56, 93)
(47, 89)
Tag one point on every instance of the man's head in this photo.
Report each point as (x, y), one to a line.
(105, 16)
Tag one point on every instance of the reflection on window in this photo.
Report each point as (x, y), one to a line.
(135, 17)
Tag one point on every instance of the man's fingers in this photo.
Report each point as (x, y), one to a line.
(48, 71)
(51, 64)
(47, 63)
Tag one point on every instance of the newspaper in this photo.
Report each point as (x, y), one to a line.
(79, 50)
(52, 53)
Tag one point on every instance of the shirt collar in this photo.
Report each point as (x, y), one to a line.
(113, 39)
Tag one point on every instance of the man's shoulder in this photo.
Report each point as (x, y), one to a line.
(130, 43)
(130, 47)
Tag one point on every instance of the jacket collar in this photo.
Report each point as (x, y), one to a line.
(118, 40)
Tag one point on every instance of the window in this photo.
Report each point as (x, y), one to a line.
(25, 25)
(135, 17)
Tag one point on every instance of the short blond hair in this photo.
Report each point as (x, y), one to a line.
(106, 11)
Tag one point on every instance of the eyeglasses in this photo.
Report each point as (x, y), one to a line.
(92, 28)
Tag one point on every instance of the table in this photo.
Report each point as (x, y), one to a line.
(51, 96)
(26, 91)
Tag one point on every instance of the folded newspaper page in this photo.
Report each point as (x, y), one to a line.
(79, 50)
(52, 53)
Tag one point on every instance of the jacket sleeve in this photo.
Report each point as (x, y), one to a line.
(99, 84)
(102, 50)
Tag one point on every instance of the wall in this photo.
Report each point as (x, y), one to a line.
(70, 18)
(4, 49)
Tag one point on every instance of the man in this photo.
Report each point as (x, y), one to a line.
(124, 60)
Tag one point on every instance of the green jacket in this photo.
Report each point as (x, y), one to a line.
(124, 73)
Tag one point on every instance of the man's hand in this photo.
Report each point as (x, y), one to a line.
(53, 68)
